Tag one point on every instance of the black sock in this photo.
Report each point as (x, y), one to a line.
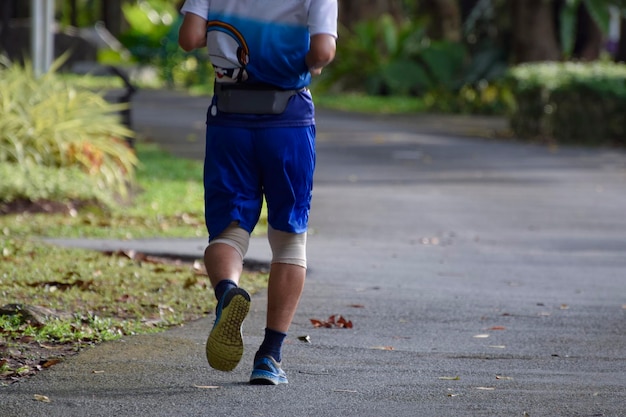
(272, 344)
(223, 287)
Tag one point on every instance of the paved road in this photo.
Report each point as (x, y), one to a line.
(483, 278)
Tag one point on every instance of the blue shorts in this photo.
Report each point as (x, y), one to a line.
(244, 165)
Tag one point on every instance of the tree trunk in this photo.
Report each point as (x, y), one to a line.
(73, 13)
(621, 49)
(445, 19)
(534, 31)
(6, 13)
(353, 11)
(112, 16)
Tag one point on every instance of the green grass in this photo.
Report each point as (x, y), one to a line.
(168, 202)
(109, 293)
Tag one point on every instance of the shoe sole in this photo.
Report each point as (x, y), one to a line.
(263, 373)
(267, 380)
(224, 347)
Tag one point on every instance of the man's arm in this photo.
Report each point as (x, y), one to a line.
(192, 33)
(321, 52)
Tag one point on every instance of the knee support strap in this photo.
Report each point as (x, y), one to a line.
(235, 237)
(287, 248)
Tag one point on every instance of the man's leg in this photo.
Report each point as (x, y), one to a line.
(285, 287)
(288, 164)
(223, 259)
(286, 282)
(222, 262)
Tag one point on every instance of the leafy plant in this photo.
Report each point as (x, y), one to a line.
(153, 39)
(46, 122)
(386, 57)
(379, 56)
(35, 184)
(149, 23)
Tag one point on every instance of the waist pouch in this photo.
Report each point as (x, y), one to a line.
(236, 98)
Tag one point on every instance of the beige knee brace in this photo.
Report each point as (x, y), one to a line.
(287, 248)
(235, 237)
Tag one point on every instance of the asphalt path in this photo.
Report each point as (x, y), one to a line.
(483, 277)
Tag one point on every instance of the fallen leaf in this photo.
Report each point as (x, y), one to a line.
(504, 378)
(356, 306)
(318, 323)
(306, 339)
(47, 347)
(382, 347)
(206, 386)
(452, 395)
(342, 322)
(50, 362)
(41, 398)
(97, 372)
(450, 378)
(497, 328)
(564, 307)
(332, 321)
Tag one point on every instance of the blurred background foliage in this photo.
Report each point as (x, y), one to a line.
(48, 125)
(452, 56)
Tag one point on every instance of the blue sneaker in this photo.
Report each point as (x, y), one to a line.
(224, 347)
(267, 371)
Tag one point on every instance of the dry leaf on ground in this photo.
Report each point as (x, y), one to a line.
(333, 321)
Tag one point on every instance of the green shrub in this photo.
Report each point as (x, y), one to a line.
(46, 122)
(569, 102)
(486, 98)
(35, 183)
(384, 57)
(152, 38)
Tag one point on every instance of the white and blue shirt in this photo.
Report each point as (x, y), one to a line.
(265, 41)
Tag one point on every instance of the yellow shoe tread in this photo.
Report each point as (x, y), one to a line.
(224, 347)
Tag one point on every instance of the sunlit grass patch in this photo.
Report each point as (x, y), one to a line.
(91, 297)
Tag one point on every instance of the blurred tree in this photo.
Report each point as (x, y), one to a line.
(6, 11)
(113, 17)
(620, 55)
(534, 31)
(445, 18)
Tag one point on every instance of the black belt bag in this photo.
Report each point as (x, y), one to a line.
(237, 98)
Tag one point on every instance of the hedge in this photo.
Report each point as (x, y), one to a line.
(583, 103)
